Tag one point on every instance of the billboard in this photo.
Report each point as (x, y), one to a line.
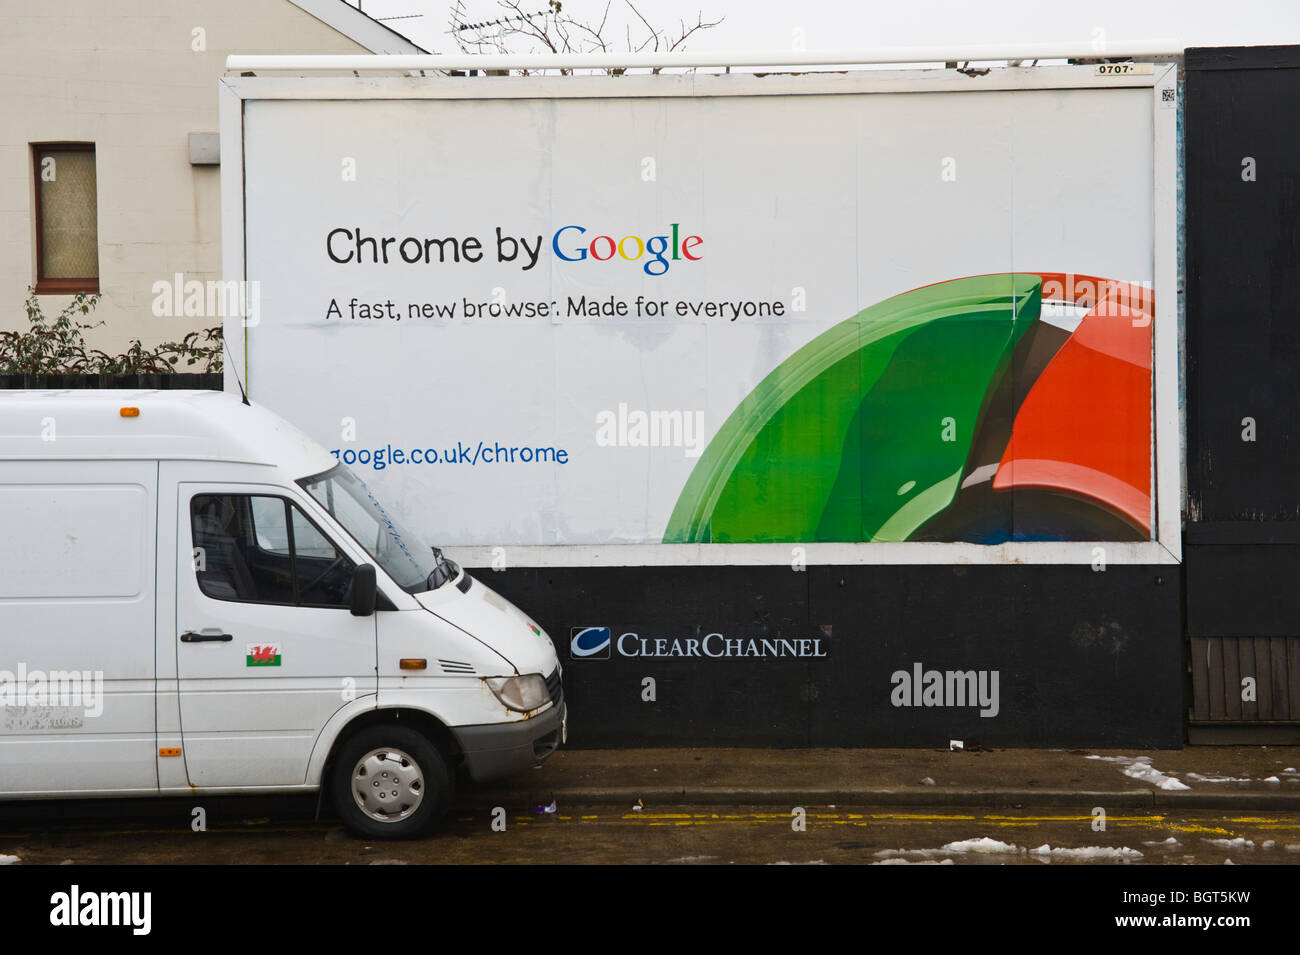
(785, 312)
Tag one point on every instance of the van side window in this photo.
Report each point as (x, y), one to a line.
(263, 549)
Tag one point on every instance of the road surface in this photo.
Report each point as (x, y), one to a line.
(285, 831)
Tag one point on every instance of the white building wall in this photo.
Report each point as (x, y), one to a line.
(125, 76)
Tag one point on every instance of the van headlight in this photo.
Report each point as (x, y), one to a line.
(522, 693)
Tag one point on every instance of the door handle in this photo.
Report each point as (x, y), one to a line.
(192, 637)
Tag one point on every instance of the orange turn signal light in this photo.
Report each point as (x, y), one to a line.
(129, 412)
(169, 751)
(413, 663)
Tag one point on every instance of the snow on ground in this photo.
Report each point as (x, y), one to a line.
(809, 862)
(1087, 852)
(987, 846)
(1215, 778)
(1171, 841)
(10, 860)
(1140, 768)
(1271, 779)
(1240, 842)
(904, 853)
(983, 845)
(918, 862)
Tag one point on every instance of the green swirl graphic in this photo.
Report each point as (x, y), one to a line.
(847, 439)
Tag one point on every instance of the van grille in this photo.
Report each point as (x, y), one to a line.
(556, 687)
(456, 666)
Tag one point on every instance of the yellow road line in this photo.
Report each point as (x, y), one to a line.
(1051, 818)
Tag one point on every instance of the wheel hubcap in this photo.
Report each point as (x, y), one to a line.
(387, 785)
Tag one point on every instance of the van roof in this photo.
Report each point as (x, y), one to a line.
(88, 424)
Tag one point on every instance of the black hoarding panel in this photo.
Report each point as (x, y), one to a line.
(1242, 58)
(1243, 283)
(862, 655)
(1248, 590)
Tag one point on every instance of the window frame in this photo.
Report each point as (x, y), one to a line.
(62, 286)
(290, 505)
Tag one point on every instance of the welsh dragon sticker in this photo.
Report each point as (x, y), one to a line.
(262, 655)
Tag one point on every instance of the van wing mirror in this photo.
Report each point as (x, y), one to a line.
(363, 590)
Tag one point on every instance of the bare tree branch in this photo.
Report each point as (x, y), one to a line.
(555, 31)
(686, 33)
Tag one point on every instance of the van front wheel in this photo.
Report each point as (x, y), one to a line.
(390, 782)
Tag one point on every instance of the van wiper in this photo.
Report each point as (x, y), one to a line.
(442, 572)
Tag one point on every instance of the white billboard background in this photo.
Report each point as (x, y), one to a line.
(840, 196)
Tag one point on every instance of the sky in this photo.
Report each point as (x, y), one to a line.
(859, 24)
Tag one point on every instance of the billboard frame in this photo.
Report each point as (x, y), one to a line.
(1168, 453)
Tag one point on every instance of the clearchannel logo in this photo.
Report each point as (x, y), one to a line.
(596, 643)
(589, 643)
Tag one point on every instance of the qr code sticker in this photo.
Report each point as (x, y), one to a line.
(1167, 97)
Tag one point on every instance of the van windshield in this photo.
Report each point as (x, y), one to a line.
(412, 564)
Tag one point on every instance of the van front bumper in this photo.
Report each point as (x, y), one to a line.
(494, 750)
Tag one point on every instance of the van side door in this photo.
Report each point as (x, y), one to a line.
(77, 622)
(266, 647)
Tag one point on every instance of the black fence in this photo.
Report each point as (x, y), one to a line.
(172, 382)
(1243, 275)
(1243, 374)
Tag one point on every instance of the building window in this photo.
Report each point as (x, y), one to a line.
(67, 223)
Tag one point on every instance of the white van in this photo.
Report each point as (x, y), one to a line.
(196, 598)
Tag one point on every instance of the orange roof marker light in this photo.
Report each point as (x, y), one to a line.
(129, 412)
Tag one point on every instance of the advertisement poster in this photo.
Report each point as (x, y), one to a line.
(862, 317)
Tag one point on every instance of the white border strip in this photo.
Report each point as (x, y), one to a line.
(705, 58)
(670, 85)
(1167, 549)
(799, 556)
(1168, 450)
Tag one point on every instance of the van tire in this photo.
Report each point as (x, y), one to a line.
(397, 756)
